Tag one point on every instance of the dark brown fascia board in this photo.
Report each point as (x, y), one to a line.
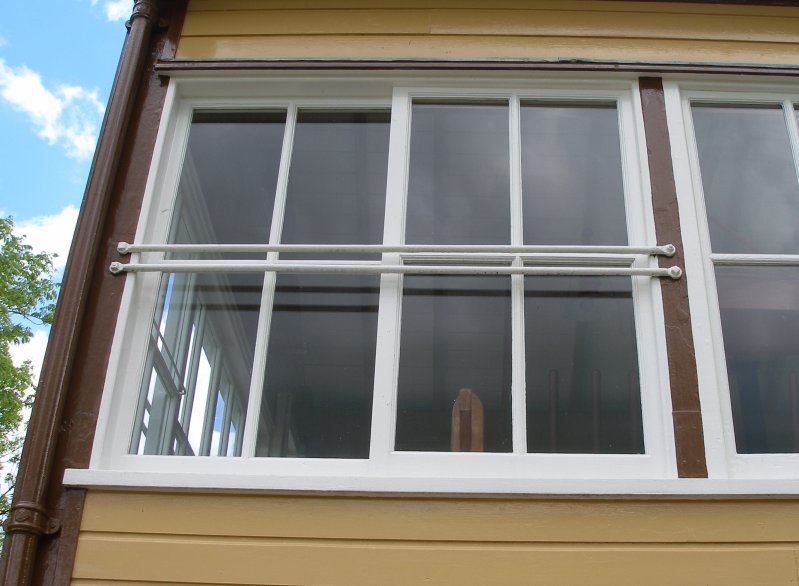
(168, 66)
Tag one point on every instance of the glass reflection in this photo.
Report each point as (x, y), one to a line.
(760, 320)
(459, 186)
(337, 181)
(571, 175)
(582, 366)
(199, 363)
(456, 334)
(317, 399)
(229, 177)
(749, 179)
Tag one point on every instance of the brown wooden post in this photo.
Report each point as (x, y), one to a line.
(467, 422)
(686, 412)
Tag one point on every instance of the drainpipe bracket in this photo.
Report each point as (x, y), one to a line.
(28, 517)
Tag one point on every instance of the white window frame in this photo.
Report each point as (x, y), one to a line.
(723, 461)
(386, 469)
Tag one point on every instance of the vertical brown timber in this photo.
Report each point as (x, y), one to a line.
(42, 528)
(686, 413)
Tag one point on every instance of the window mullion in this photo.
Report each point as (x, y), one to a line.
(793, 132)
(250, 435)
(518, 385)
(384, 402)
(209, 415)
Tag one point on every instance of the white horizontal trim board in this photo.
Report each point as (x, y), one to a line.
(539, 487)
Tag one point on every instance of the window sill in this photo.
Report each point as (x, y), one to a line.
(673, 487)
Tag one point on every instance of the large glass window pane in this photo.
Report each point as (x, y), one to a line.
(760, 320)
(320, 368)
(459, 178)
(748, 177)
(337, 182)
(455, 365)
(203, 332)
(582, 366)
(200, 353)
(320, 364)
(227, 187)
(572, 175)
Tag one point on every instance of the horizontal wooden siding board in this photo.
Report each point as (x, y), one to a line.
(481, 47)
(532, 23)
(443, 519)
(505, 29)
(209, 560)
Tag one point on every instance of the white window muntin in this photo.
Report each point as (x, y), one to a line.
(723, 460)
(658, 460)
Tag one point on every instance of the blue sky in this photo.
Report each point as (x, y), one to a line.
(57, 64)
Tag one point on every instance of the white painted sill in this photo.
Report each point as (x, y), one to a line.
(676, 487)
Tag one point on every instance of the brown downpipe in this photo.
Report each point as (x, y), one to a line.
(28, 519)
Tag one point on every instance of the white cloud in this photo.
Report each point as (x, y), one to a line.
(32, 350)
(117, 9)
(51, 234)
(3, 41)
(68, 115)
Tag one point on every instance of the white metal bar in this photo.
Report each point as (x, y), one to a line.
(782, 260)
(261, 266)
(126, 248)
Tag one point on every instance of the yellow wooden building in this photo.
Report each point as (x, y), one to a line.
(448, 292)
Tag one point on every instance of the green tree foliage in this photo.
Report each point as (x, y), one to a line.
(27, 299)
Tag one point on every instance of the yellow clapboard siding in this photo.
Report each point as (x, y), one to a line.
(505, 29)
(493, 22)
(250, 561)
(504, 520)
(202, 538)
(476, 47)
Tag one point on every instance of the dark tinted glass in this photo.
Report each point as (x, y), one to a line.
(571, 175)
(582, 366)
(456, 334)
(760, 321)
(320, 368)
(227, 188)
(749, 179)
(320, 364)
(337, 182)
(459, 186)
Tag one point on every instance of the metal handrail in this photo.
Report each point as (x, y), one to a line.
(673, 272)
(127, 248)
